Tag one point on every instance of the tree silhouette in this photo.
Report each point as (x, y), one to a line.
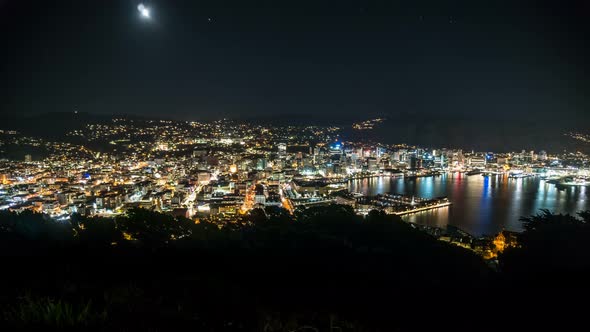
(33, 226)
(553, 248)
(96, 232)
(153, 228)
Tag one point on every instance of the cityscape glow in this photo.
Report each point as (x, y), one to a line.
(281, 166)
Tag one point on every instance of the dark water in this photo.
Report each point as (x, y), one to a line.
(481, 205)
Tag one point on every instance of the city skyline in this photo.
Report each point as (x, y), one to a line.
(221, 170)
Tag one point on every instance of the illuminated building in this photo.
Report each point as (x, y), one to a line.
(415, 162)
(542, 155)
(505, 239)
(477, 161)
(274, 199)
(336, 149)
(261, 164)
(282, 148)
(204, 177)
(372, 164)
(259, 196)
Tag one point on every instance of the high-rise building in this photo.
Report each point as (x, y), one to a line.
(403, 155)
(457, 158)
(372, 164)
(28, 158)
(415, 162)
(259, 196)
(441, 161)
(542, 155)
(477, 161)
(261, 164)
(336, 168)
(282, 147)
(336, 149)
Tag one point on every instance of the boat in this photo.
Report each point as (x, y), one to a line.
(473, 172)
(574, 181)
(520, 175)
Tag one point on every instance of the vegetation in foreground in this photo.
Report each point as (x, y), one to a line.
(325, 269)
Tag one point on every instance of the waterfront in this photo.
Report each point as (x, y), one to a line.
(480, 204)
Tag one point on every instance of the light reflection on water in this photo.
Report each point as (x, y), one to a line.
(481, 204)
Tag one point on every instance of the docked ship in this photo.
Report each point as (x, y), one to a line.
(574, 181)
(519, 175)
(491, 173)
(473, 172)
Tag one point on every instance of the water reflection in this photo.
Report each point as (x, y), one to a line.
(481, 204)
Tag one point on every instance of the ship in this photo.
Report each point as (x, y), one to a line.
(573, 181)
(520, 175)
(473, 172)
(491, 173)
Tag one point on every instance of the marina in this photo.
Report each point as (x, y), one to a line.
(480, 204)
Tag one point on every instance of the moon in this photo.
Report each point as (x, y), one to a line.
(143, 11)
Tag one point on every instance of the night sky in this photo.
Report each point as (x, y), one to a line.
(341, 59)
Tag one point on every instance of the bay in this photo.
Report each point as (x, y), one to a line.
(481, 205)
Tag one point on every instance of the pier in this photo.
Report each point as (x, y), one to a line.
(425, 208)
(399, 204)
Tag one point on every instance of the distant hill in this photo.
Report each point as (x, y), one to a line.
(55, 125)
(495, 133)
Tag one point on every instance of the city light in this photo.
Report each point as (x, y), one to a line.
(199, 168)
(294, 166)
